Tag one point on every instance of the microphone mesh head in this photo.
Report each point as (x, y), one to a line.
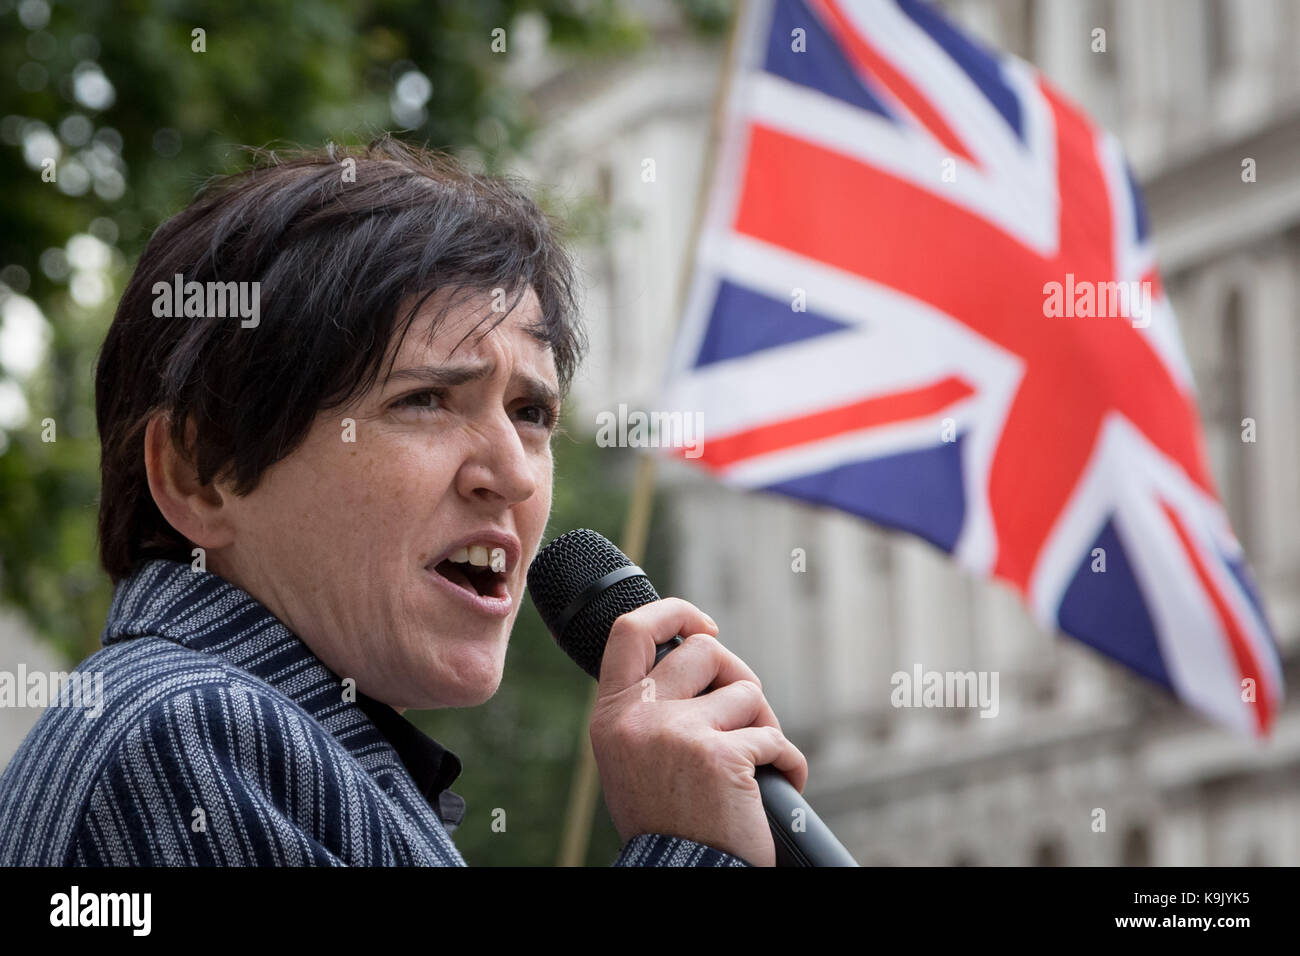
(562, 571)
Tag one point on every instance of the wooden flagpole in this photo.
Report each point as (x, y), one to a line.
(636, 525)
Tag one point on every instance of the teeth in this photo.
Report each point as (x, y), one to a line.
(480, 556)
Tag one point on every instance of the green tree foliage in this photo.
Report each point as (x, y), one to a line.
(138, 104)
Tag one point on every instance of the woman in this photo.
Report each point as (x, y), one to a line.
(325, 406)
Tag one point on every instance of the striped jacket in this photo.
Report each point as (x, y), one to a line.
(220, 739)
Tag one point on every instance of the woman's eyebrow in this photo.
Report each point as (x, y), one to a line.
(439, 375)
(445, 376)
(539, 392)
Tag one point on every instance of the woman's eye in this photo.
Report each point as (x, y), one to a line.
(431, 400)
(540, 415)
(424, 400)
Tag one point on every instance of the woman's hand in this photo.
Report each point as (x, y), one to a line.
(674, 763)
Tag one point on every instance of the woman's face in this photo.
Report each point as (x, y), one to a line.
(341, 539)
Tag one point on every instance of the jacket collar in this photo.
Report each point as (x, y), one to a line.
(205, 612)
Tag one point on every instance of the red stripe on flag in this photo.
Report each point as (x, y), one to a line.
(1241, 650)
(830, 422)
(869, 61)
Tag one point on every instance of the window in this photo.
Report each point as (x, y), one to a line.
(1103, 17)
(1218, 53)
(1230, 408)
(610, 264)
(1137, 848)
(1048, 853)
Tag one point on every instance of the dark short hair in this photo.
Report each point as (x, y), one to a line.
(338, 247)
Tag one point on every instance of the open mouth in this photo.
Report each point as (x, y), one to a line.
(482, 581)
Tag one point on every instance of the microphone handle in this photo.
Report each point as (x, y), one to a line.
(798, 834)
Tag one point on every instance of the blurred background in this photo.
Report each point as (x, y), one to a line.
(138, 110)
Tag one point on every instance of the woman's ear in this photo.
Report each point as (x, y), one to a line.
(200, 512)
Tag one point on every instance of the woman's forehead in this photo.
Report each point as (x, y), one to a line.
(472, 327)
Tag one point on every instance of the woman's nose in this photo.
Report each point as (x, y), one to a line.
(499, 466)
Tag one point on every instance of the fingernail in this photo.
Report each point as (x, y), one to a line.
(712, 623)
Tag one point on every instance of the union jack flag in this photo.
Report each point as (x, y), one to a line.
(869, 327)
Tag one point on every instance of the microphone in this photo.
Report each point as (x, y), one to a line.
(582, 583)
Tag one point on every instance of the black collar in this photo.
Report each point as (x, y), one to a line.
(432, 766)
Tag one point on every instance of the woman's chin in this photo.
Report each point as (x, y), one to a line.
(463, 697)
(471, 683)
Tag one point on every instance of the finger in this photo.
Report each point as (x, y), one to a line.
(736, 705)
(699, 663)
(766, 745)
(630, 651)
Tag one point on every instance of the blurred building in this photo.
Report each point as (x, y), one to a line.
(1192, 88)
